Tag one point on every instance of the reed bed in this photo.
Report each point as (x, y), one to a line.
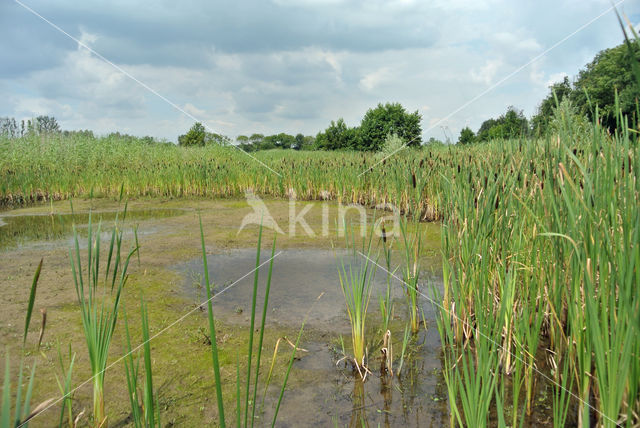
(58, 167)
(541, 280)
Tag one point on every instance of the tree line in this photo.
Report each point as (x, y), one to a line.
(592, 92)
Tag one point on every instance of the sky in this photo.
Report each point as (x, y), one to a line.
(271, 66)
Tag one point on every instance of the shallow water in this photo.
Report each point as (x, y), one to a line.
(323, 390)
(17, 230)
(299, 277)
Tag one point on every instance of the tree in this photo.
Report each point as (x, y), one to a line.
(217, 139)
(195, 136)
(557, 92)
(9, 127)
(512, 124)
(338, 136)
(610, 71)
(466, 136)
(46, 125)
(280, 141)
(434, 142)
(390, 118)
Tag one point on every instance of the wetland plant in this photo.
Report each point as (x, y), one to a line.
(99, 300)
(356, 276)
(22, 412)
(411, 272)
(64, 385)
(144, 410)
(249, 402)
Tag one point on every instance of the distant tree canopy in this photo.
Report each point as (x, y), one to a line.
(595, 85)
(378, 123)
(41, 125)
(389, 119)
(46, 125)
(512, 124)
(338, 136)
(194, 137)
(466, 136)
(609, 71)
(541, 120)
(198, 136)
(276, 141)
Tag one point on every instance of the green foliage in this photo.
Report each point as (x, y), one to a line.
(99, 300)
(45, 125)
(466, 136)
(195, 136)
(557, 92)
(432, 142)
(144, 410)
(9, 127)
(610, 71)
(338, 136)
(377, 124)
(276, 141)
(198, 136)
(511, 124)
(567, 120)
(390, 118)
(392, 145)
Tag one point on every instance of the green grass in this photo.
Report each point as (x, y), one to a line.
(99, 301)
(356, 275)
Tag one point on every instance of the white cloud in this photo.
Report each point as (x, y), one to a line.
(556, 78)
(373, 79)
(486, 73)
(191, 109)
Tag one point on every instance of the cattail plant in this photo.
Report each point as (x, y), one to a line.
(356, 275)
(99, 300)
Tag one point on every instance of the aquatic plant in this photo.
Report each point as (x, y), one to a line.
(99, 300)
(356, 276)
(411, 272)
(145, 411)
(250, 400)
(22, 412)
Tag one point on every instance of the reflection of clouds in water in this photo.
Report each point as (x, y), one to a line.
(2, 223)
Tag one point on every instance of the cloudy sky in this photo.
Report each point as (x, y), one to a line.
(292, 66)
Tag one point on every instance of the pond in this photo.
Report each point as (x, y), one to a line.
(324, 389)
(19, 229)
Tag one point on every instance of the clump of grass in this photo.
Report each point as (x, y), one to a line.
(145, 411)
(356, 276)
(99, 301)
(411, 272)
(65, 387)
(22, 412)
(249, 401)
(385, 301)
